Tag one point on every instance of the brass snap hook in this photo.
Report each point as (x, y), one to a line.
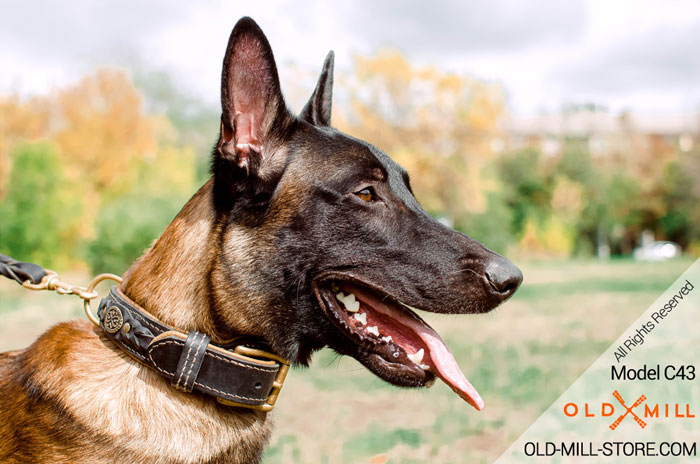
(90, 291)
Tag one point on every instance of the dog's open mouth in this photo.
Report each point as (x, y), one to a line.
(393, 341)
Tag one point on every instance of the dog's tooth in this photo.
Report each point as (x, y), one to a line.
(416, 357)
(349, 301)
(361, 318)
(352, 306)
(387, 338)
(425, 367)
(374, 330)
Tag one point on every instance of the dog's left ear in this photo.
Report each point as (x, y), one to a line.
(254, 116)
(318, 109)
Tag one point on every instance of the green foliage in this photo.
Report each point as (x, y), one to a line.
(194, 122)
(681, 197)
(614, 213)
(285, 446)
(126, 227)
(576, 164)
(378, 439)
(492, 227)
(526, 187)
(39, 215)
(613, 208)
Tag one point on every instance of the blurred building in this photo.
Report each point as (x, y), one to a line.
(604, 133)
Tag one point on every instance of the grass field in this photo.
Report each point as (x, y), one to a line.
(520, 358)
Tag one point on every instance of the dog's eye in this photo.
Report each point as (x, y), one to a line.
(365, 195)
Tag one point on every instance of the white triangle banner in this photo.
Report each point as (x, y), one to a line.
(639, 401)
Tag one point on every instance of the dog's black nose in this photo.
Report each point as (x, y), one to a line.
(504, 277)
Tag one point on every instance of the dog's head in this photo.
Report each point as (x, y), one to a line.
(322, 242)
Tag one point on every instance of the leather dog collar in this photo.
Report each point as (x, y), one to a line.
(234, 373)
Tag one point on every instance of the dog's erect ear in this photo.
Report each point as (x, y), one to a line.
(318, 109)
(253, 114)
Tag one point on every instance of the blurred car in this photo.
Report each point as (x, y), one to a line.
(657, 251)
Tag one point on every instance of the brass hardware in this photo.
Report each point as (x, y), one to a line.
(251, 354)
(91, 288)
(113, 319)
(53, 282)
(126, 328)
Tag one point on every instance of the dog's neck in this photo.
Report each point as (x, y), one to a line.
(171, 279)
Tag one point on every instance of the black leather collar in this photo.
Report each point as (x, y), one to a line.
(235, 373)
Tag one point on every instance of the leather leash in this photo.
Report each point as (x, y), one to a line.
(239, 372)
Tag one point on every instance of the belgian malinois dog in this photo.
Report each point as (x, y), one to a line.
(304, 237)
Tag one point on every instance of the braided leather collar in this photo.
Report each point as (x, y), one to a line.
(234, 373)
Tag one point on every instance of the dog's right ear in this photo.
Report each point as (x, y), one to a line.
(318, 109)
(254, 116)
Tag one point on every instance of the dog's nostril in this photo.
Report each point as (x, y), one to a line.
(503, 276)
(509, 287)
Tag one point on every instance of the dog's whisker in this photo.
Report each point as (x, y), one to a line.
(335, 360)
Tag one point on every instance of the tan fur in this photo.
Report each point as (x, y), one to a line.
(249, 293)
(241, 287)
(74, 397)
(170, 279)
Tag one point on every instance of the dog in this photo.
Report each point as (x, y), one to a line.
(304, 237)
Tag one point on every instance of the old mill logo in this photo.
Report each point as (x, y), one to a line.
(628, 410)
(638, 411)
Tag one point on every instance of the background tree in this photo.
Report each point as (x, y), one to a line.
(119, 159)
(40, 214)
(680, 220)
(438, 125)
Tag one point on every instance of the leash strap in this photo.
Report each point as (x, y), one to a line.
(234, 374)
(21, 272)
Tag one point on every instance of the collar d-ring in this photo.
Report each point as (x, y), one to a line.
(91, 290)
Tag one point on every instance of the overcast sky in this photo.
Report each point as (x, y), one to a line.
(638, 55)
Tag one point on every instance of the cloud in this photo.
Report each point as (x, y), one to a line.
(545, 53)
(660, 58)
(453, 27)
(56, 31)
(654, 68)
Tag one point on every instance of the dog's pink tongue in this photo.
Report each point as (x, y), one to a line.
(444, 365)
(441, 361)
